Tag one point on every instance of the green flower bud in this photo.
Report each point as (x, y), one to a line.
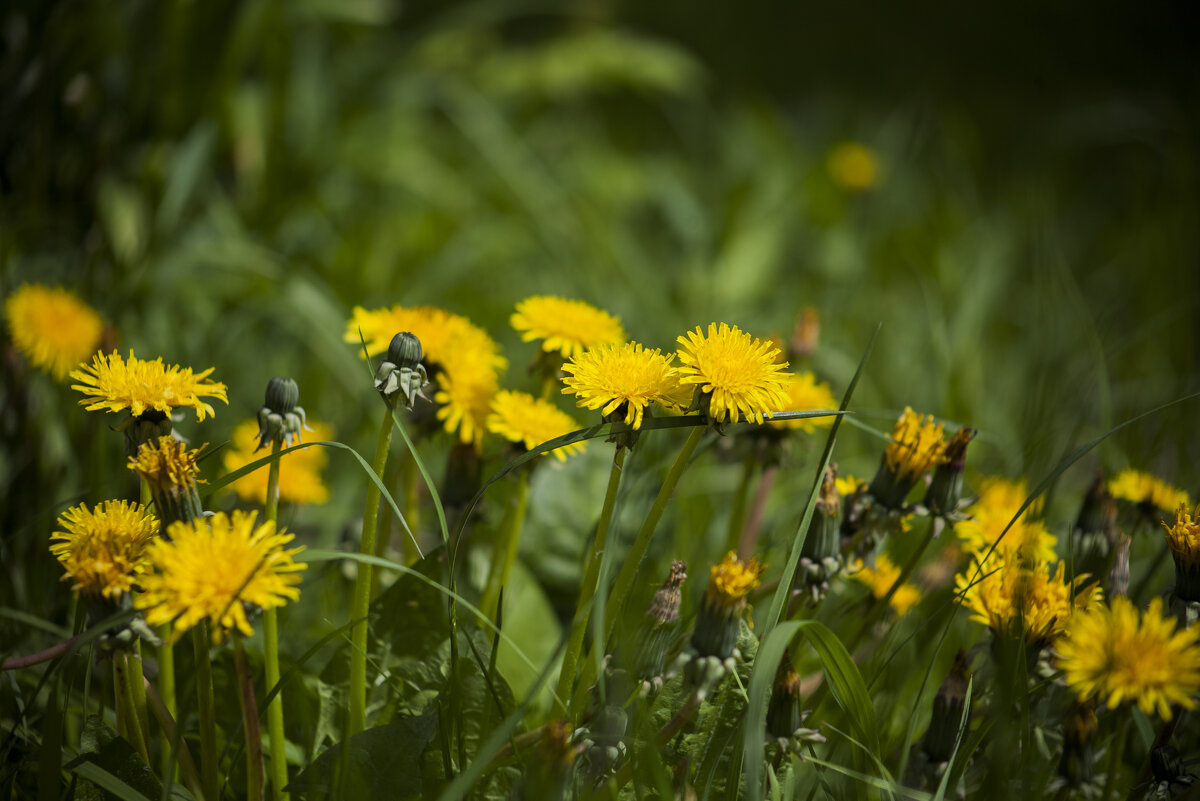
(946, 488)
(282, 395)
(404, 351)
(947, 712)
(401, 374)
(280, 419)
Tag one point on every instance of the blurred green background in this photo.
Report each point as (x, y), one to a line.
(225, 180)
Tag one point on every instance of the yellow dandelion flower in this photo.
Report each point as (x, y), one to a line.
(52, 327)
(1027, 540)
(848, 484)
(114, 384)
(103, 550)
(1183, 538)
(465, 392)
(880, 579)
(731, 580)
(522, 418)
(167, 461)
(443, 334)
(740, 375)
(917, 445)
(853, 166)
(1109, 655)
(1150, 490)
(299, 468)
(1021, 597)
(621, 379)
(804, 394)
(210, 568)
(565, 326)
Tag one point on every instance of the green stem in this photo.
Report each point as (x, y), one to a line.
(624, 581)
(383, 528)
(412, 508)
(166, 721)
(278, 763)
(506, 548)
(166, 693)
(881, 603)
(360, 606)
(738, 513)
(591, 577)
(205, 711)
(254, 756)
(134, 732)
(1114, 758)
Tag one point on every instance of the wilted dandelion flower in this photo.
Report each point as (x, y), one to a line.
(1027, 539)
(212, 567)
(299, 468)
(621, 380)
(565, 326)
(880, 579)
(1109, 655)
(1146, 489)
(1183, 538)
(52, 327)
(1024, 598)
(804, 394)
(114, 384)
(519, 417)
(103, 550)
(853, 166)
(738, 376)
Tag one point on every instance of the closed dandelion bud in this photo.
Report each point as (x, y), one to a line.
(916, 447)
(820, 555)
(146, 427)
(784, 714)
(401, 374)
(947, 712)
(1096, 527)
(280, 418)
(946, 488)
(170, 470)
(729, 583)
(1169, 769)
(1183, 539)
(658, 629)
(1076, 766)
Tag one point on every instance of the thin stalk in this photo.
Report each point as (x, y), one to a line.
(360, 606)
(881, 603)
(624, 581)
(383, 528)
(737, 512)
(137, 694)
(591, 577)
(166, 721)
(205, 711)
(278, 763)
(1114, 758)
(166, 693)
(254, 755)
(408, 480)
(749, 538)
(126, 701)
(507, 545)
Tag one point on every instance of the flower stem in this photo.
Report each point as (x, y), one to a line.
(881, 603)
(279, 775)
(591, 577)
(737, 512)
(254, 756)
(749, 539)
(360, 606)
(205, 711)
(166, 722)
(412, 509)
(166, 694)
(506, 548)
(127, 703)
(1114, 758)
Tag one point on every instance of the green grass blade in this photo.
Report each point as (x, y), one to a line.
(962, 727)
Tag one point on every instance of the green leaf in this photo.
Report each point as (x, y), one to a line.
(113, 765)
(381, 762)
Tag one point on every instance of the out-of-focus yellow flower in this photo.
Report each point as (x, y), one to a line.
(917, 445)
(568, 327)
(299, 468)
(1007, 596)
(113, 384)
(880, 579)
(444, 336)
(804, 394)
(466, 388)
(621, 379)
(1109, 655)
(103, 550)
(211, 568)
(52, 327)
(1144, 488)
(739, 376)
(853, 166)
(1028, 540)
(520, 417)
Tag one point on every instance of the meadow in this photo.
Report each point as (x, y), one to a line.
(492, 402)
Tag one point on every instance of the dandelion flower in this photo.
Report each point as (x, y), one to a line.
(917, 445)
(738, 374)
(114, 384)
(443, 334)
(1146, 489)
(299, 468)
(522, 418)
(848, 484)
(465, 392)
(1183, 539)
(1027, 539)
(1015, 598)
(621, 379)
(565, 326)
(103, 550)
(880, 579)
(853, 166)
(211, 568)
(52, 327)
(1109, 655)
(804, 394)
(729, 582)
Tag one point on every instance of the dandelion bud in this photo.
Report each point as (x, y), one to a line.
(1183, 538)
(784, 714)
(145, 427)
(401, 374)
(724, 602)
(658, 629)
(946, 487)
(916, 447)
(280, 418)
(1168, 767)
(947, 712)
(820, 557)
(1096, 527)
(1076, 766)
